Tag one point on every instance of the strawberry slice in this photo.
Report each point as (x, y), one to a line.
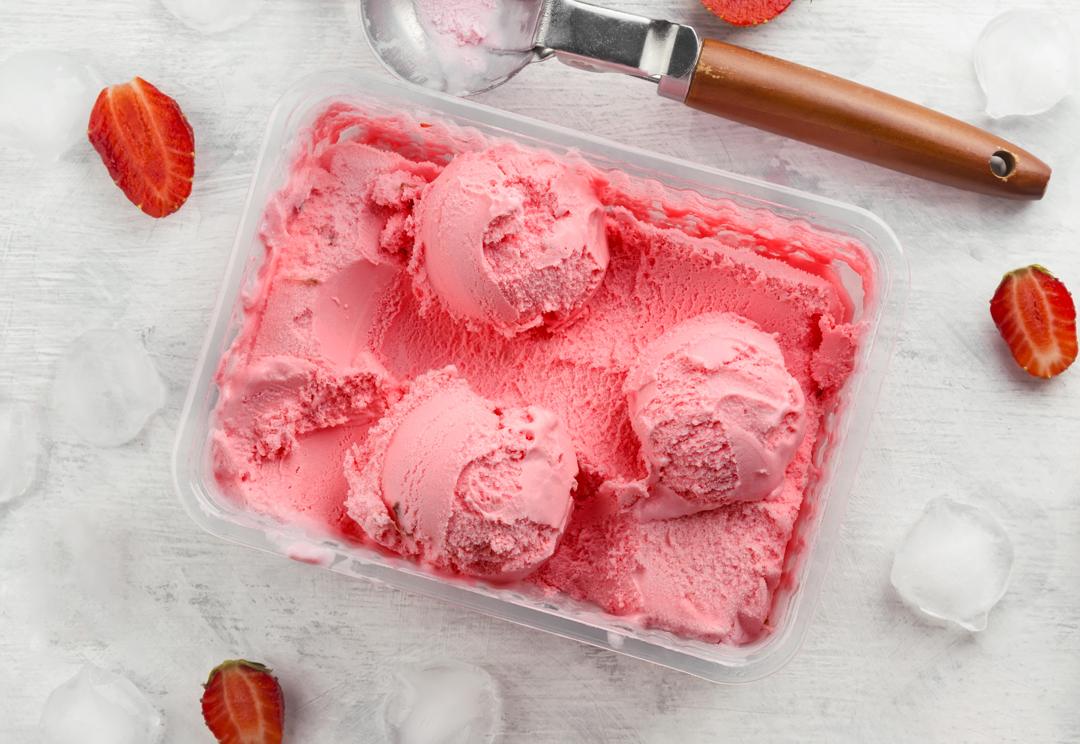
(146, 143)
(243, 704)
(1037, 319)
(747, 12)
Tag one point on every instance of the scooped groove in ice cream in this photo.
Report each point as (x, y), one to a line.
(270, 404)
(461, 483)
(717, 412)
(267, 407)
(510, 238)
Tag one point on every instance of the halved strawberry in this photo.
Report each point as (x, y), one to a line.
(243, 704)
(747, 12)
(1037, 319)
(146, 143)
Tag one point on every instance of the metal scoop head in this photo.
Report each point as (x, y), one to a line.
(459, 47)
(468, 46)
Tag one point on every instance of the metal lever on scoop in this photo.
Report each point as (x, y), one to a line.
(789, 99)
(603, 40)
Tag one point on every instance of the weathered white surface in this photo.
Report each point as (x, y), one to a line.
(162, 602)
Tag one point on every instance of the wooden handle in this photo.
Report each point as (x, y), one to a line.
(849, 118)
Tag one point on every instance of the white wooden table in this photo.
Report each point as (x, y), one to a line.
(100, 564)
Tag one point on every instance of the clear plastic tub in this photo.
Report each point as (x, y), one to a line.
(839, 446)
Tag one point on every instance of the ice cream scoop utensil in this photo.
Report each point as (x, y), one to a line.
(716, 77)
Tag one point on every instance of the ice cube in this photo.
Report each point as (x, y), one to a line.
(106, 388)
(1024, 62)
(212, 16)
(443, 703)
(20, 449)
(47, 97)
(954, 564)
(99, 707)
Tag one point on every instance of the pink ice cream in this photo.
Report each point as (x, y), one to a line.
(459, 22)
(266, 408)
(465, 43)
(461, 483)
(510, 238)
(643, 329)
(718, 415)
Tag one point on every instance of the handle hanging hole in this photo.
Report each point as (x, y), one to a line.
(1003, 164)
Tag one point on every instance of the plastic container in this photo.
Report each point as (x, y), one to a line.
(843, 439)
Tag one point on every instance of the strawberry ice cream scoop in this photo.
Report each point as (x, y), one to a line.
(510, 239)
(717, 412)
(462, 484)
